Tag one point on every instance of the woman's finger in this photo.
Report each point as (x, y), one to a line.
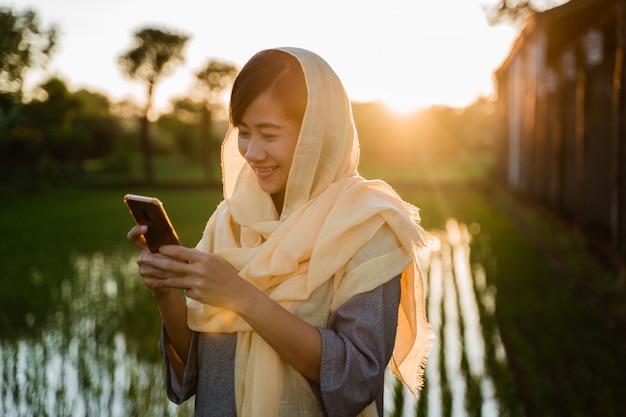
(157, 283)
(150, 271)
(177, 265)
(135, 236)
(186, 254)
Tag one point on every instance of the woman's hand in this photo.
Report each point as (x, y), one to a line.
(210, 280)
(204, 277)
(151, 275)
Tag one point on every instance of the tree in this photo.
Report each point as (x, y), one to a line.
(156, 53)
(74, 126)
(179, 128)
(516, 11)
(24, 44)
(211, 82)
(95, 125)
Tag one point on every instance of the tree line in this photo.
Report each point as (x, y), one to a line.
(50, 137)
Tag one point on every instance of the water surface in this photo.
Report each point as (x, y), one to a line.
(94, 353)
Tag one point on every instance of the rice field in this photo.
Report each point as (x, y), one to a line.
(78, 330)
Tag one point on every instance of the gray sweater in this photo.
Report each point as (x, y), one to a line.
(356, 347)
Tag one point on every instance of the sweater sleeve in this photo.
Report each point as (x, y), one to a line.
(356, 347)
(177, 392)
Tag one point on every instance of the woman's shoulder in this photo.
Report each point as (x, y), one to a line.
(382, 242)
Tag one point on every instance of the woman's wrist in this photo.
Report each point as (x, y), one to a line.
(163, 293)
(247, 300)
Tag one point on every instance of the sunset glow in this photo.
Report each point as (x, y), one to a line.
(404, 53)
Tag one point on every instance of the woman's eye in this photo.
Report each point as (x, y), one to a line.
(269, 134)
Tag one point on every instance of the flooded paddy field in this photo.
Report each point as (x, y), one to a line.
(79, 331)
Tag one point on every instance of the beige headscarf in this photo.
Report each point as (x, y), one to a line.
(299, 258)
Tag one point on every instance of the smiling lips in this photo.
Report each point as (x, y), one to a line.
(264, 172)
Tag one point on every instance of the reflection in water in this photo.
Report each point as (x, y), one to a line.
(96, 355)
(79, 364)
(461, 308)
(434, 288)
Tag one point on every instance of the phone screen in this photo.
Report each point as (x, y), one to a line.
(150, 212)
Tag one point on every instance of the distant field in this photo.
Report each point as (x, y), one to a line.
(470, 167)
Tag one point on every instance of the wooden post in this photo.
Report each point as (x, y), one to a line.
(615, 132)
(615, 149)
(579, 149)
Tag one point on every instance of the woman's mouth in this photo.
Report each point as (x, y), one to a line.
(263, 172)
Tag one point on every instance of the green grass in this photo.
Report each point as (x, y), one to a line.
(472, 167)
(167, 169)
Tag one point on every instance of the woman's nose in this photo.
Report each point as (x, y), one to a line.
(255, 150)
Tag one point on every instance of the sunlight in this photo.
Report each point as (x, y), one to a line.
(420, 54)
(403, 105)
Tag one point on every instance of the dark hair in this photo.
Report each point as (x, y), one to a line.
(275, 71)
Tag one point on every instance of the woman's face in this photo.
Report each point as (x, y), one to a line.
(267, 140)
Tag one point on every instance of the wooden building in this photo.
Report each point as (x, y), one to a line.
(561, 107)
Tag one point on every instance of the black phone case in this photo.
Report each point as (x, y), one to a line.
(150, 211)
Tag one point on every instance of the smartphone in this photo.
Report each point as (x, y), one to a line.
(150, 211)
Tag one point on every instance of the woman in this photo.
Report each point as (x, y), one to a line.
(305, 280)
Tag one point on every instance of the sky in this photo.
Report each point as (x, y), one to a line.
(409, 54)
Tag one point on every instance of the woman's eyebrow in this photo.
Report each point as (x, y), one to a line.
(269, 125)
